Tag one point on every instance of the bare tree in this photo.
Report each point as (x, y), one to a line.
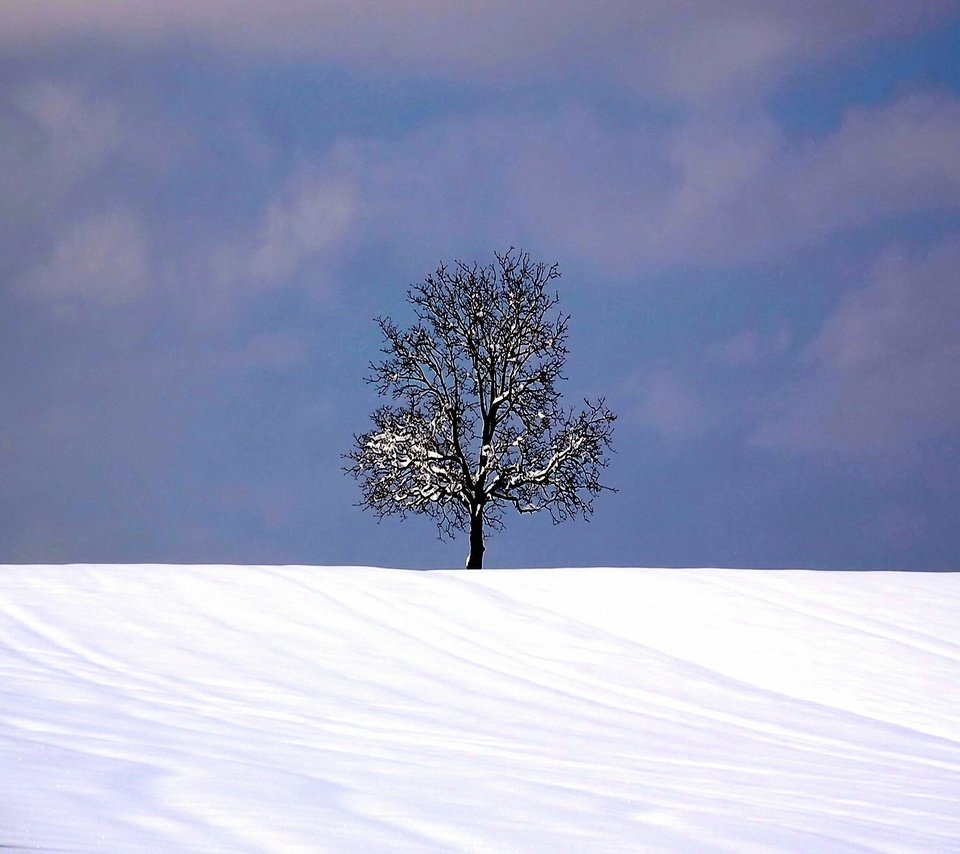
(479, 426)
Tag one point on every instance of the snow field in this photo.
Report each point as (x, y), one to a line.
(285, 709)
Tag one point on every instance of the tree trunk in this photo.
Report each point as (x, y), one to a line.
(475, 559)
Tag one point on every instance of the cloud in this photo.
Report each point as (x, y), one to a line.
(75, 129)
(57, 133)
(883, 373)
(892, 159)
(702, 51)
(718, 189)
(110, 197)
(304, 220)
(101, 261)
(713, 189)
(441, 189)
(84, 170)
(265, 351)
(53, 137)
(688, 50)
(750, 348)
(669, 404)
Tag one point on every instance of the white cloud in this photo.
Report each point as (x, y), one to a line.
(53, 135)
(728, 51)
(891, 159)
(694, 50)
(99, 261)
(751, 348)
(719, 189)
(75, 129)
(305, 221)
(669, 404)
(266, 351)
(884, 371)
(716, 189)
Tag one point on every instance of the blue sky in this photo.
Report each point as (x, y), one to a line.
(755, 208)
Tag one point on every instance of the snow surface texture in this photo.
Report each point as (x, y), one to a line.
(291, 709)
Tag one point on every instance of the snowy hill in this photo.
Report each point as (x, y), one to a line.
(171, 708)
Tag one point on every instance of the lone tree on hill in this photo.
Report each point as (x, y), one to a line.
(478, 425)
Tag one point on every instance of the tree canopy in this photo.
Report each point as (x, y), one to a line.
(477, 424)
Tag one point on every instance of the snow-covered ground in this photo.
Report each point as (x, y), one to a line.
(173, 708)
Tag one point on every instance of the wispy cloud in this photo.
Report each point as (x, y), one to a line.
(718, 189)
(669, 403)
(750, 348)
(694, 50)
(73, 129)
(101, 261)
(882, 372)
(311, 216)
